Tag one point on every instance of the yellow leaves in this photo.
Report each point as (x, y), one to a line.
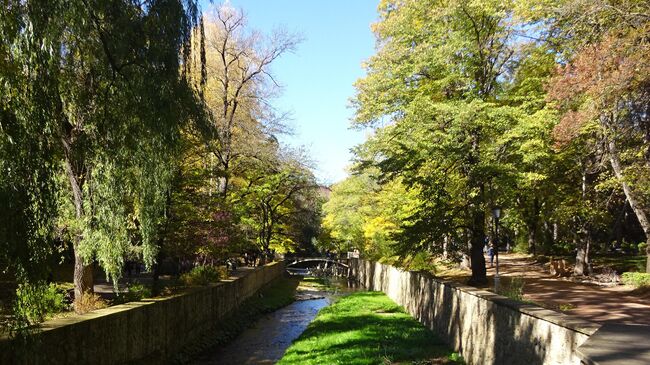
(359, 210)
(283, 245)
(533, 177)
(379, 228)
(532, 10)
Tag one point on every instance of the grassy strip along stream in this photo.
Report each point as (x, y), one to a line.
(367, 328)
(330, 323)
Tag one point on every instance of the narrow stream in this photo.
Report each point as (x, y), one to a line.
(268, 339)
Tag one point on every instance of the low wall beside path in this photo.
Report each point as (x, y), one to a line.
(484, 327)
(138, 331)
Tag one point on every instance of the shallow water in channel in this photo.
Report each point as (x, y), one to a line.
(267, 340)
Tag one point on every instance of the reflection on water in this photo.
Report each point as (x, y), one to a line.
(267, 340)
(342, 285)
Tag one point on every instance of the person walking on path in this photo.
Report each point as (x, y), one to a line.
(490, 252)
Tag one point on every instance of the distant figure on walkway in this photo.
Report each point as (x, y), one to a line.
(490, 253)
(231, 264)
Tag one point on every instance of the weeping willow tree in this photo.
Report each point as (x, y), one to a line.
(93, 94)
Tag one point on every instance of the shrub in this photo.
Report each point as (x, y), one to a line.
(636, 279)
(421, 261)
(457, 358)
(633, 248)
(134, 293)
(89, 302)
(203, 275)
(520, 246)
(514, 290)
(36, 302)
(138, 291)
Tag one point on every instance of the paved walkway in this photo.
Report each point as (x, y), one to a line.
(591, 302)
(107, 290)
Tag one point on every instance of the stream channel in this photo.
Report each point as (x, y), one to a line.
(267, 340)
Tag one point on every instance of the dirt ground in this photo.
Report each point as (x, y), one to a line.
(600, 304)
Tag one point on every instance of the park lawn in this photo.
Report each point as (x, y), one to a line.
(366, 328)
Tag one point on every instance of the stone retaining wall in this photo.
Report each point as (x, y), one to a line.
(484, 327)
(152, 328)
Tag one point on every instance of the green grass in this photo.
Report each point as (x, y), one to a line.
(636, 279)
(366, 328)
(313, 283)
(621, 263)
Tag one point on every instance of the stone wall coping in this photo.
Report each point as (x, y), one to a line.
(564, 320)
(617, 344)
(73, 318)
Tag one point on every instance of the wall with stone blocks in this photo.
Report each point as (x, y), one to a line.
(137, 331)
(484, 327)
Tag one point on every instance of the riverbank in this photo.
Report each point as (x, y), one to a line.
(266, 340)
(277, 295)
(367, 328)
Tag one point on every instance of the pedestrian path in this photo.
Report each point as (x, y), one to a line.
(588, 301)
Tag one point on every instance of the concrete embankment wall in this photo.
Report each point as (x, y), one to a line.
(484, 327)
(136, 331)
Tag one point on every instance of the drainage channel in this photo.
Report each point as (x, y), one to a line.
(266, 341)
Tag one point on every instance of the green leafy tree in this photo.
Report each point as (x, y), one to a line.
(347, 210)
(605, 86)
(366, 215)
(275, 197)
(435, 80)
(105, 77)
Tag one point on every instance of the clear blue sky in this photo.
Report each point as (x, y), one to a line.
(318, 77)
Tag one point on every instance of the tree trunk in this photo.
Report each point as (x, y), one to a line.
(226, 183)
(531, 225)
(445, 242)
(583, 241)
(582, 266)
(647, 253)
(548, 236)
(640, 213)
(479, 274)
(531, 240)
(83, 276)
(83, 272)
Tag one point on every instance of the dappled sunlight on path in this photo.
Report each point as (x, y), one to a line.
(587, 301)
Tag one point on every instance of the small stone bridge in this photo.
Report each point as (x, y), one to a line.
(317, 266)
(299, 260)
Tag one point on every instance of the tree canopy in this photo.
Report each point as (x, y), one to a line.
(142, 130)
(146, 130)
(476, 104)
